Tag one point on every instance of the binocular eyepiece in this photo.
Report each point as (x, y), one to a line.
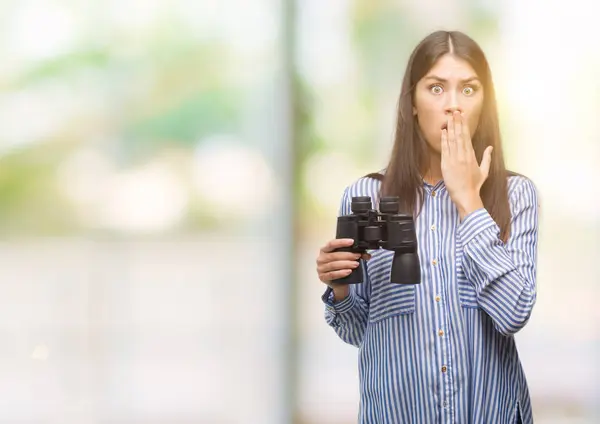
(384, 229)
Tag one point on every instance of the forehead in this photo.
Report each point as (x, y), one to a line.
(451, 67)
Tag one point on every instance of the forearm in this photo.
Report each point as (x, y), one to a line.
(503, 276)
(504, 281)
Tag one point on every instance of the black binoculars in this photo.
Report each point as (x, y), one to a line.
(384, 229)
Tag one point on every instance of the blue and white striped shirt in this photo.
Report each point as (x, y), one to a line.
(443, 351)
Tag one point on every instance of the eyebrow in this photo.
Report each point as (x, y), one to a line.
(435, 77)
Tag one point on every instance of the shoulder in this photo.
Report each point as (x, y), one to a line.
(368, 185)
(364, 186)
(521, 190)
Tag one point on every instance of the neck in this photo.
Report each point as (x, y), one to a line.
(433, 173)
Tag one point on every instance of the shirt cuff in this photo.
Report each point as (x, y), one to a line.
(341, 306)
(474, 224)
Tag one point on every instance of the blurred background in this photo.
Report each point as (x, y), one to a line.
(169, 170)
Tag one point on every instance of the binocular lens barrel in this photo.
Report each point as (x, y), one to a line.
(387, 229)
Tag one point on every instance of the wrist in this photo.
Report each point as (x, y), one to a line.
(469, 204)
(340, 293)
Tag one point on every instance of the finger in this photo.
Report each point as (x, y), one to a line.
(457, 124)
(445, 145)
(366, 256)
(486, 161)
(466, 133)
(336, 244)
(330, 276)
(450, 127)
(336, 266)
(451, 136)
(457, 118)
(324, 258)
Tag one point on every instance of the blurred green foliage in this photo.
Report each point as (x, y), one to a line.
(141, 99)
(30, 202)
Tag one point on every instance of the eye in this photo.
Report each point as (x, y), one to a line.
(469, 90)
(436, 89)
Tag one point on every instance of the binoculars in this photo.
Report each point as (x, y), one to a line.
(384, 229)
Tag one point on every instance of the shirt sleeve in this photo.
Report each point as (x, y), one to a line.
(504, 275)
(348, 317)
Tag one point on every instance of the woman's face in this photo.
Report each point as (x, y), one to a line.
(451, 84)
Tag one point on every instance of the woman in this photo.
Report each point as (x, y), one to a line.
(443, 351)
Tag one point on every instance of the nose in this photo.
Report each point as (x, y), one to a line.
(452, 104)
(451, 109)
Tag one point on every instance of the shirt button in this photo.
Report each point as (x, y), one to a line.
(441, 333)
(444, 369)
(433, 228)
(434, 262)
(437, 298)
(433, 193)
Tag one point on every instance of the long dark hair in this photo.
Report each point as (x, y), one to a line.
(410, 154)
